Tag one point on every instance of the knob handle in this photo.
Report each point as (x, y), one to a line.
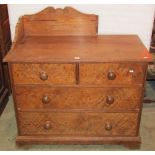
(43, 76)
(109, 100)
(45, 99)
(108, 126)
(111, 75)
(47, 125)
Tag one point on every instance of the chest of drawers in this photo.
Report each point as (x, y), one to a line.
(85, 89)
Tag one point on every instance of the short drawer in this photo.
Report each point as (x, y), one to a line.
(55, 74)
(78, 124)
(43, 97)
(112, 73)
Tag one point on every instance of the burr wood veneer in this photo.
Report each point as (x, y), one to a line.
(72, 86)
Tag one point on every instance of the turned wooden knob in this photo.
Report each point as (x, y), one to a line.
(47, 125)
(45, 99)
(108, 126)
(111, 75)
(109, 99)
(43, 76)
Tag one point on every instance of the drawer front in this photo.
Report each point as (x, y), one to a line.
(78, 124)
(33, 97)
(112, 73)
(44, 73)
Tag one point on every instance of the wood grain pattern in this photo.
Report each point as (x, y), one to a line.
(30, 98)
(57, 73)
(100, 48)
(126, 73)
(58, 22)
(81, 124)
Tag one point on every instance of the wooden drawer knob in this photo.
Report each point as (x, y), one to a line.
(47, 125)
(111, 75)
(108, 126)
(43, 76)
(45, 99)
(109, 100)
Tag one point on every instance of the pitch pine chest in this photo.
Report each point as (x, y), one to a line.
(71, 85)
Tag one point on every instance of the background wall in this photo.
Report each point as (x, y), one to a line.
(113, 19)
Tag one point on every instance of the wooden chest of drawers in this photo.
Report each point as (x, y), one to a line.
(78, 89)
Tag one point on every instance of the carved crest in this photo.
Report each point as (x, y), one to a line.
(50, 13)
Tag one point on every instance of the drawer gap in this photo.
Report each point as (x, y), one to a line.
(77, 73)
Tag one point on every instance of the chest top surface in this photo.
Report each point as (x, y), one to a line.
(100, 48)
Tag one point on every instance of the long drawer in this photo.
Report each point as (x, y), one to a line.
(54, 74)
(45, 98)
(111, 73)
(78, 124)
